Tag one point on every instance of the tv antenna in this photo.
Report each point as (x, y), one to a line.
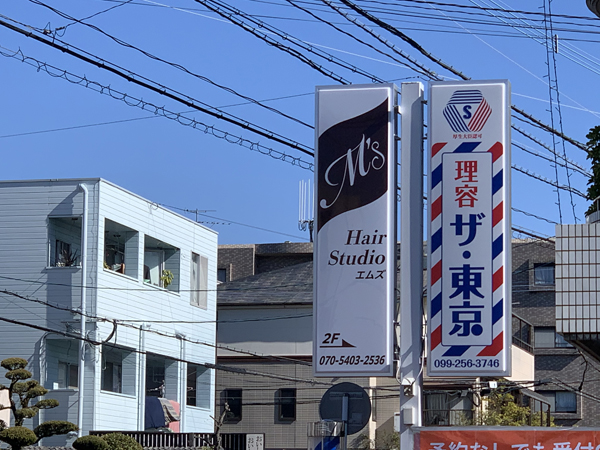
(306, 209)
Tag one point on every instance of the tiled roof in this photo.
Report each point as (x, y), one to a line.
(289, 285)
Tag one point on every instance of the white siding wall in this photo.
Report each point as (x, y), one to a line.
(24, 256)
(138, 301)
(284, 336)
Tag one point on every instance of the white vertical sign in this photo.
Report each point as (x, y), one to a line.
(469, 286)
(355, 233)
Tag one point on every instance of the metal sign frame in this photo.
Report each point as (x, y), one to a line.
(469, 245)
(355, 230)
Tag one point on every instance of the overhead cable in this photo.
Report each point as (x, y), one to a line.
(161, 89)
(180, 118)
(446, 66)
(172, 64)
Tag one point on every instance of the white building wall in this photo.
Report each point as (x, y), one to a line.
(577, 273)
(25, 250)
(290, 336)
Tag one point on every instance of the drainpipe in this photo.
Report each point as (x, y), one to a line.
(81, 383)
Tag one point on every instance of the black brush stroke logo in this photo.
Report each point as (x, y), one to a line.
(353, 164)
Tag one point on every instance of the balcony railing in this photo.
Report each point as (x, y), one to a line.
(522, 334)
(153, 439)
(447, 417)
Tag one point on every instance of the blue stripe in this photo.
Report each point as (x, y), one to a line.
(436, 240)
(454, 120)
(436, 305)
(436, 176)
(497, 311)
(472, 96)
(497, 246)
(466, 147)
(457, 350)
(497, 182)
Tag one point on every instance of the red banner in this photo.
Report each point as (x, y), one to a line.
(509, 439)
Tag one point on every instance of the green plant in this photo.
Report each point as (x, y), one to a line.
(593, 154)
(384, 441)
(25, 391)
(118, 441)
(166, 277)
(503, 410)
(18, 437)
(90, 443)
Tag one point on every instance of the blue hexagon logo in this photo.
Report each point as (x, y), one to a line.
(467, 111)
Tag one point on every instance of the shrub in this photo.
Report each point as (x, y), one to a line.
(18, 437)
(90, 443)
(54, 427)
(118, 441)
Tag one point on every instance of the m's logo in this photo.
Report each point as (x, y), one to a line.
(467, 111)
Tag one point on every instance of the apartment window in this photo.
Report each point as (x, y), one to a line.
(64, 241)
(161, 264)
(198, 386)
(118, 370)
(68, 375)
(233, 397)
(561, 401)
(199, 293)
(286, 405)
(222, 275)
(543, 274)
(547, 337)
(120, 248)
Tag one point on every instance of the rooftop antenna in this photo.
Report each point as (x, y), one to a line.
(305, 211)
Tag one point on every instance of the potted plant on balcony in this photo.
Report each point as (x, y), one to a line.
(166, 278)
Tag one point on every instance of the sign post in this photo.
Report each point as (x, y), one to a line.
(411, 261)
(355, 237)
(469, 246)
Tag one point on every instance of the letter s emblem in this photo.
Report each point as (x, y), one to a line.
(467, 110)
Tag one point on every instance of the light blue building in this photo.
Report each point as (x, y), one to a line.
(146, 279)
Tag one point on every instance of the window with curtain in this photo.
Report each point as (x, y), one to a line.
(199, 278)
(543, 274)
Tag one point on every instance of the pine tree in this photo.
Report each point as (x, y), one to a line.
(21, 392)
(593, 154)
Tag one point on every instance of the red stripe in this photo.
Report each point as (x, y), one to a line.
(436, 208)
(436, 337)
(435, 148)
(495, 348)
(436, 272)
(480, 117)
(496, 151)
(498, 214)
(497, 279)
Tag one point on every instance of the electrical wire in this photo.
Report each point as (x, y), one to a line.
(157, 110)
(171, 64)
(158, 88)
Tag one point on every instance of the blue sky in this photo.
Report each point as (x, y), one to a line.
(53, 128)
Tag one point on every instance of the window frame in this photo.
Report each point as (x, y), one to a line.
(70, 379)
(235, 405)
(539, 281)
(551, 396)
(199, 281)
(284, 399)
(557, 340)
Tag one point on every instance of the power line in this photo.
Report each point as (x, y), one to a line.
(446, 66)
(174, 65)
(160, 89)
(157, 110)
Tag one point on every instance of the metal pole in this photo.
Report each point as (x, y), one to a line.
(345, 420)
(411, 261)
